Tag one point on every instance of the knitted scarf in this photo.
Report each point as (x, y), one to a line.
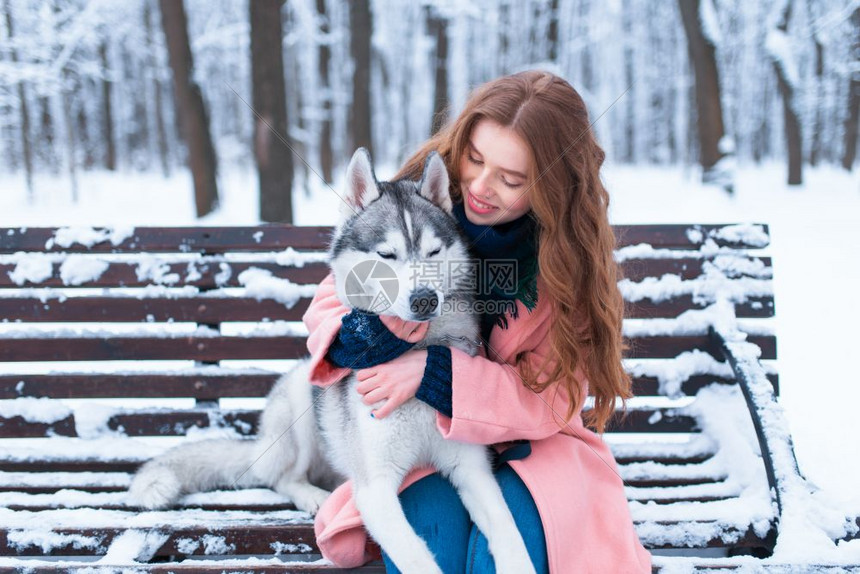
(501, 244)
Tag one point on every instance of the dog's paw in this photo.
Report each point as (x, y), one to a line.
(154, 488)
(305, 496)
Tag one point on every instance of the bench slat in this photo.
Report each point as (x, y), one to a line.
(176, 239)
(63, 494)
(157, 348)
(200, 309)
(144, 385)
(665, 454)
(274, 347)
(205, 567)
(641, 482)
(668, 347)
(251, 539)
(203, 273)
(280, 236)
(211, 310)
(227, 384)
(686, 268)
(177, 423)
(648, 386)
(291, 538)
(211, 386)
(752, 308)
(122, 274)
(671, 236)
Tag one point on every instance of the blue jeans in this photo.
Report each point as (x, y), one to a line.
(435, 511)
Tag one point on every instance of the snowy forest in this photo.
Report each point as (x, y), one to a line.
(290, 88)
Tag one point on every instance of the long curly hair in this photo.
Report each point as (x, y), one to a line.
(576, 241)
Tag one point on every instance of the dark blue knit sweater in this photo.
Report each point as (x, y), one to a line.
(364, 341)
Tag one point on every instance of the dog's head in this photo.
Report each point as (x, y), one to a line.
(398, 251)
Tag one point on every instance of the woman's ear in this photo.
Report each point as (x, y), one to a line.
(434, 182)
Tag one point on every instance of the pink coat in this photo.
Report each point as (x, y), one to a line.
(570, 472)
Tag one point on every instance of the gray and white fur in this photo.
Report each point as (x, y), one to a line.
(406, 226)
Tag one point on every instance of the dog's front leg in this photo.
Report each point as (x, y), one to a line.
(383, 517)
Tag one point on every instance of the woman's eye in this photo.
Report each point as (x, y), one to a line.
(435, 252)
(511, 185)
(475, 161)
(386, 254)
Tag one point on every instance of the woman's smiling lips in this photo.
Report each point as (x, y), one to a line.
(478, 206)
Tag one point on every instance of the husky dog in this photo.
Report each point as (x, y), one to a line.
(402, 227)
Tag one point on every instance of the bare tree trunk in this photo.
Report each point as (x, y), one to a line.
(190, 106)
(553, 31)
(83, 130)
(793, 138)
(437, 25)
(851, 121)
(326, 152)
(274, 158)
(850, 150)
(47, 134)
(71, 144)
(107, 111)
(709, 111)
(160, 131)
(629, 149)
(360, 33)
(815, 146)
(25, 113)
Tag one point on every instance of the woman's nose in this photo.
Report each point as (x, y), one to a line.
(479, 185)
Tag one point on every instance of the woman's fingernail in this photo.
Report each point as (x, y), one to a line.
(373, 416)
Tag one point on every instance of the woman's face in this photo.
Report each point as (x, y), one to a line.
(494, 175)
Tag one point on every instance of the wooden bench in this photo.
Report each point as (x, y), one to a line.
(117, 343)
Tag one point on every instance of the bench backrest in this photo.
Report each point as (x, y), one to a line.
(204, 296)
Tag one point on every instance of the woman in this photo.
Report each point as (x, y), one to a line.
(524, 170)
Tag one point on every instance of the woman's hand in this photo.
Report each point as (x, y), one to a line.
(394, 382)
(409, 331)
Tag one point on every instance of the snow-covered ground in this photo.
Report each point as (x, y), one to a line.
(814, 245)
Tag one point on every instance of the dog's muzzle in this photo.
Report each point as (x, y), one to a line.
(424, 304)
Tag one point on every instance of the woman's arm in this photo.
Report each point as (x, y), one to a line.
(478, 400)
(323, 321)
(491, 403)
(341, 339)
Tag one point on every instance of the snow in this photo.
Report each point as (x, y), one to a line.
(778, 48)
(153, 268)
(261, 284)
(79, 269)
(32, 267)
(710, 23)
(41, 410)
(134, 546)
(671, 374)
(89, 236)
(813, 239)
(704, 289)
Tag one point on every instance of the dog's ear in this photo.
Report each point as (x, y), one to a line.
(434, 182)
(361, 186)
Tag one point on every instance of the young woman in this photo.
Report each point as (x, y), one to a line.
(524, 169)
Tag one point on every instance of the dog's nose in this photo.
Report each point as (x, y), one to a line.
(423, 303)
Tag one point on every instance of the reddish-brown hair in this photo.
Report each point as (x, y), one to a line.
(576, 242)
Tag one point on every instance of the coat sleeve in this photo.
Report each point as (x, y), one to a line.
(323, 321)
(492, 404)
